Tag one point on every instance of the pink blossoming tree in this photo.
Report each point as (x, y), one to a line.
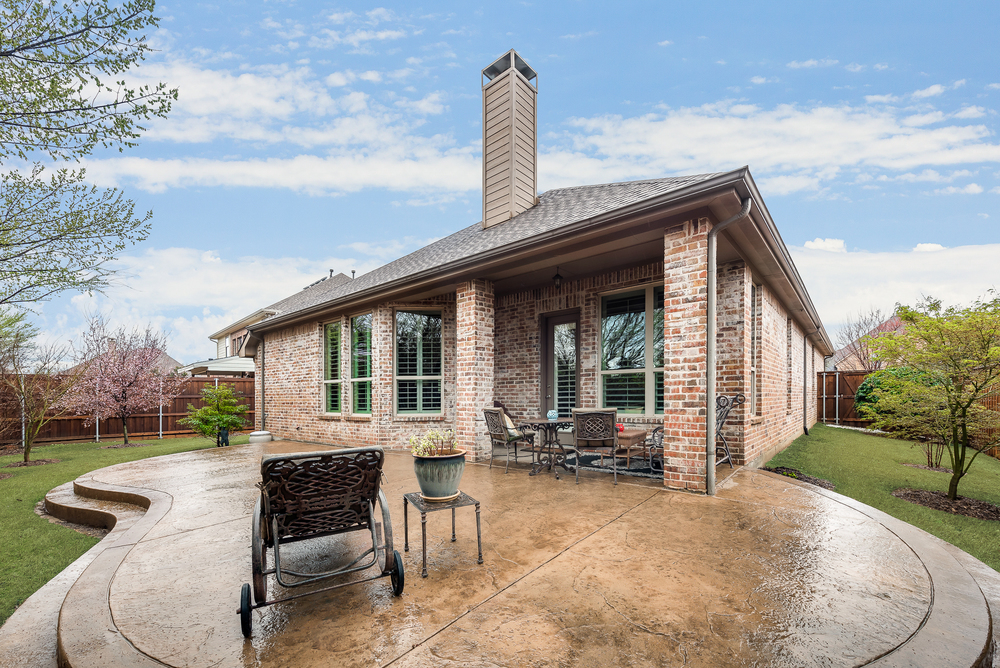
(122, 375)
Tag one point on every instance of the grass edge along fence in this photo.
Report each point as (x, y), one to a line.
(72, 428)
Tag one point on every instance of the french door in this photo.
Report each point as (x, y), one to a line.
(560, 370)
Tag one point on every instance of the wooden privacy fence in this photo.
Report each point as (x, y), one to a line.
(69, 428)
(835, 397)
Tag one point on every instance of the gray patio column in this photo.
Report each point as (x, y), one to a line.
(474, 358)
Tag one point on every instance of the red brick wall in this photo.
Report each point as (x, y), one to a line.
(491, 349)
(474, 309)
(685, 300)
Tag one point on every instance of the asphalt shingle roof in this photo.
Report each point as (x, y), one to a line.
(556, 208)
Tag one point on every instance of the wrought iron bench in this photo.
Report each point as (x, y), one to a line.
(315, 495)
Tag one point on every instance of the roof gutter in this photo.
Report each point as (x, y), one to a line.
(711, 394)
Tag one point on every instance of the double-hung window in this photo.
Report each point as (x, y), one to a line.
(331, 368)
(361, 363)
(632, 351)
(418, 362)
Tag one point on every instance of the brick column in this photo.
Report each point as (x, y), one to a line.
(685, 279)
(474, 378)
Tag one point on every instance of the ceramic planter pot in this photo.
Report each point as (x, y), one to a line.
(439, 475)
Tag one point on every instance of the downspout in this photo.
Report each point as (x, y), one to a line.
(263, 404)
(710, 393)
(805, 384)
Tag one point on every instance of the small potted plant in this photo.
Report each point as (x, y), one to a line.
(438, 464)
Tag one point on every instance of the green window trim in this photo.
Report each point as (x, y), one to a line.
(332, 402)
(361, 364)
(418, 363)
(632, 351)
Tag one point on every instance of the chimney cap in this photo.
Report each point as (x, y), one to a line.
(505, 62)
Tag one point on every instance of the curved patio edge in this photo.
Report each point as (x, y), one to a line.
(955, 595)
(87, 634)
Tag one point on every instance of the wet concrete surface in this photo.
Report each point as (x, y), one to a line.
(767, 573)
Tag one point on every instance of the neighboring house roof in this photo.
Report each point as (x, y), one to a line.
(224, 365)
(165, 364)
(563, 217)
(845, 358)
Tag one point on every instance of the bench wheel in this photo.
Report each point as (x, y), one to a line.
(246, 621)
(258, 559)
(397, 577)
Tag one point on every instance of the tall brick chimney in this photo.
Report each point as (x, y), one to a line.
(510, 150)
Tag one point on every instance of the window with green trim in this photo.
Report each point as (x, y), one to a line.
(331, 368)
(361, 363)
(418, 362)
(632, 351)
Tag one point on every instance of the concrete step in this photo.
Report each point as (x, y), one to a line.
(29, 637)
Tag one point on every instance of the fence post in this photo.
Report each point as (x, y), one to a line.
(161, 409)
(24, 420)
(836, 378)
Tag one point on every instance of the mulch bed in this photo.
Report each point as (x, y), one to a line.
(939, 469)
(799, 475)
(4, 476)
(980, 510)
(133, 444)
(33, 462)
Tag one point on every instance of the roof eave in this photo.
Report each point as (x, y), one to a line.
(256, 316)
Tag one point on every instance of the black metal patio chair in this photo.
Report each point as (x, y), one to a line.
(723, 406)
(595, 431)
(504, 434)
(314, 495)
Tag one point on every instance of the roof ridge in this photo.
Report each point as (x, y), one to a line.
(629, 183)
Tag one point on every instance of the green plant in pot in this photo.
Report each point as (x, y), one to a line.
(438, 464)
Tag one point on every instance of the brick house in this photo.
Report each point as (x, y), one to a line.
(591, 296)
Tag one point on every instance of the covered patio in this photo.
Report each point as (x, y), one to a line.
(767, 572)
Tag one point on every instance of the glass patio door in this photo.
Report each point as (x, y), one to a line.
(560, 364)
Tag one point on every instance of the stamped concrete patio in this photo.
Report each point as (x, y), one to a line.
(770, 572)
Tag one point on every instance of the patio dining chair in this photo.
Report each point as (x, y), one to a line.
(504, 434)
(315, 495)
(654, 450)
(595, 431)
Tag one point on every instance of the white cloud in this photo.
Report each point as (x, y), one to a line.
(763, 80)
(380, 15)
(665, 42)
(831, 245)
(165, 286)
(341, 17)
(804, 147)
(971, 189)
(881, 99)
(984, 216)
(928, 248)
(930, 175)
(854, 67)
(430, 104)
(936, 89)
(995, 190)
(842, 283)
(580, 35)
(929, 118)
(993, 86)
(881, 66)
(970, 112)
(930, 91)
(359, 39)
(826, 62)
(288, 30)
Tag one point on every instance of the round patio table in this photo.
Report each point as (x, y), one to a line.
(547, 456)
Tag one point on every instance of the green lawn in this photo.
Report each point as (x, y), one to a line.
(33, 550)
(868, 468)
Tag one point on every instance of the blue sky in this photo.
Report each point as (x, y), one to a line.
(311, 136)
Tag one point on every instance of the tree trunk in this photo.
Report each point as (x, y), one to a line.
(953, 485)
(125, 430)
